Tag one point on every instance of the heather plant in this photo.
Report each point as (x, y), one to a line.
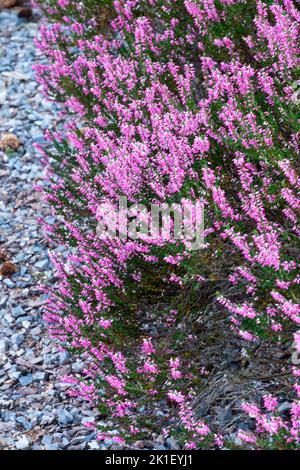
(165, 102)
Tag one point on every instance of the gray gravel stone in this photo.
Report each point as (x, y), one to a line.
(3, 301)
(47, 439)
(17, 312)
(25, 380)
(4, 344)
(17, 338)
(22, 443)
(65, 418)
(42, 265)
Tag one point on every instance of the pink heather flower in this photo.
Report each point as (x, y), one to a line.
(282, 284)
(209, 177)
(178, 397)
(150, 367)
(295, 410)
(297, 389)
(63, 3)
(89, 425)
(106, 436)
(201, 145)
(252, 410)
(246, 437)
(277, 327)
(174, 365)
(118, 439)
(296, 371)
(122, 408)
(176, 279)
(104, 323)
(202, 429)
(270, 402)
(190, 445)
(247, 336)
(116, 383)
(133, 430)
(176, 374)
(271, 425)
(219, 440)
(147, 346)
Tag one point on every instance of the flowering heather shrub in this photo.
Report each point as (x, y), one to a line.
(168, 101)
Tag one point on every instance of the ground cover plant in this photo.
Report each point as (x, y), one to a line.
(168, 102)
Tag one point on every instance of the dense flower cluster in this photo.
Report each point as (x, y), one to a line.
(167, 100)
